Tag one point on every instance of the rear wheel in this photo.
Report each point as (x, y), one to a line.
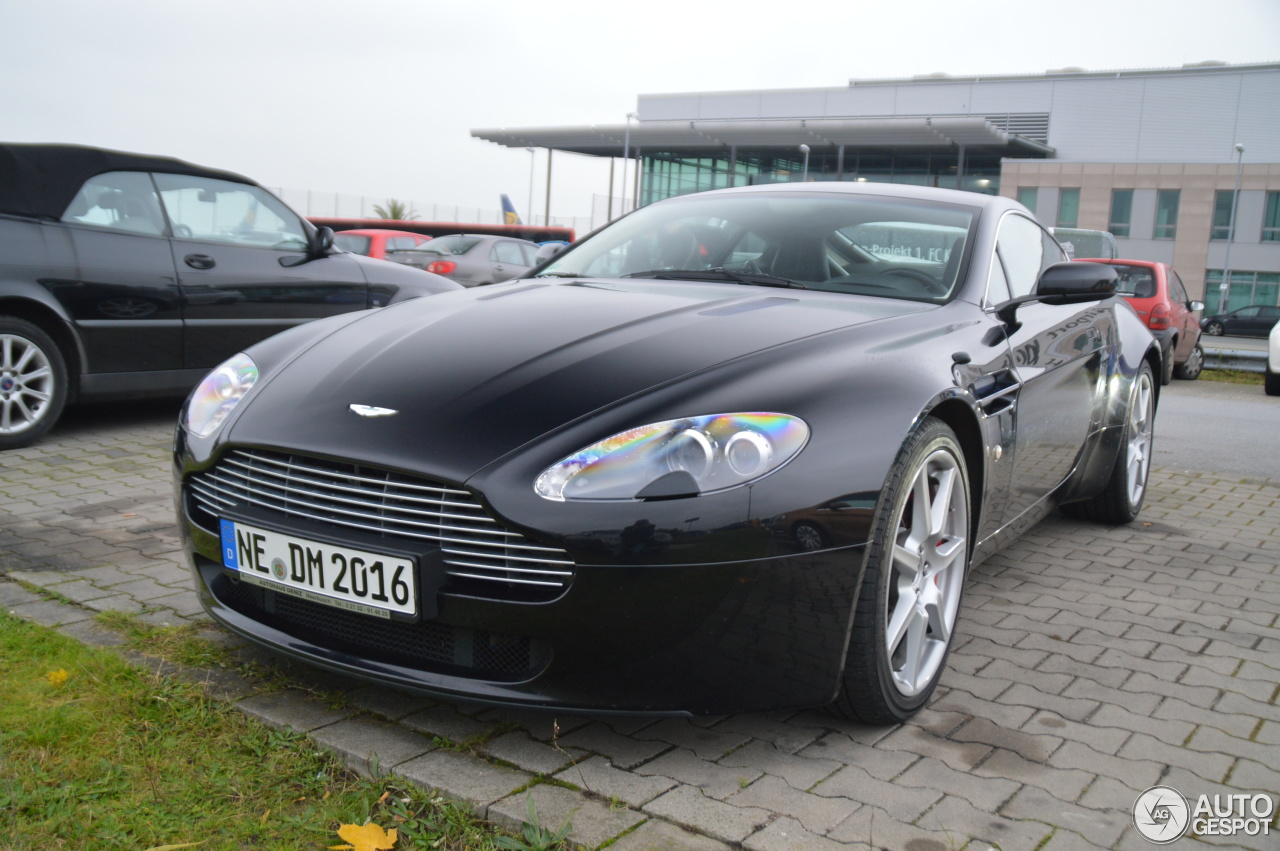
(1121, 499)
(33, 382)
(1190, 369)
(910, 596)
(1214, 329)
(1166, 364)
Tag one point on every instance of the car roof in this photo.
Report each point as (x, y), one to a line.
(892, 190)
(41, 180)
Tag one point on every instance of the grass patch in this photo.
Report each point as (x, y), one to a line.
(1232, 376)
(108, 757)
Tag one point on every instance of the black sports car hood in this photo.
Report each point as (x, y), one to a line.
(475, 374)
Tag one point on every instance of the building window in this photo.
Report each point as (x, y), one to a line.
(1246, 288)
(1068, 208)
(1223, 204)
(1121, 211)
(1271, 218)
(1167, 213)
(1027, 196)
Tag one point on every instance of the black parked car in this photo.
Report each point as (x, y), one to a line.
(1256, 320)
(735, 451)
(126, 275)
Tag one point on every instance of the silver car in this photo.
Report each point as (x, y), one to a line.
(471, 259)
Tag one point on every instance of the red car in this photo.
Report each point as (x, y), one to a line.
(1157, 294)
(376, 242)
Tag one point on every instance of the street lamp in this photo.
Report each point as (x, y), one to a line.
(804, 175)
(533, 158)
(1225, 286)
(626, 153)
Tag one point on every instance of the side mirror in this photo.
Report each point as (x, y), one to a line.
(321, 242)
(546, 252)
(1075, 281)
(1193, 306)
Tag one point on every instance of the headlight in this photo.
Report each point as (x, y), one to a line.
(219, 393)
(677, 458)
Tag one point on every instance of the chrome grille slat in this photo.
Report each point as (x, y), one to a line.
(290, 483)
(475, 547)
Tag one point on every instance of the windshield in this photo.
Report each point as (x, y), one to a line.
(450, 244)
(856, 243)
(354, 243)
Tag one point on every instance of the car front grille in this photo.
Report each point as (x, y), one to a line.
(481, 557)
(429, 646)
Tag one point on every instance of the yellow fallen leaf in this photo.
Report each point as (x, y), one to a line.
(57, 678)
(366, 837)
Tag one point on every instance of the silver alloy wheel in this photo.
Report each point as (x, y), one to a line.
(26, 384)
(808, 537)
(1138, 457)
(930, 552)
(1194, 364)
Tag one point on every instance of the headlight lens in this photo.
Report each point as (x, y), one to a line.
(693, 455)
(219, 393)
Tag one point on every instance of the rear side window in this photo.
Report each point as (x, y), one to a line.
(120, 200)
(1135, 281)
(508, 252)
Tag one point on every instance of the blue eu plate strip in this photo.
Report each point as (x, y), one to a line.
(229, 544)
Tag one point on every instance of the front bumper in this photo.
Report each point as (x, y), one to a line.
(727, 636)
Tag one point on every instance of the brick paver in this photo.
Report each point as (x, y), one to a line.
(1090, 663)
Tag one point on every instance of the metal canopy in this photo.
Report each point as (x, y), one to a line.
(710, 138)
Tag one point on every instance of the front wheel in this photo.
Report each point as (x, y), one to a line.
(33, 382)
(1121, 499)
(914, 578)
(1190, 369)
(1214, 329)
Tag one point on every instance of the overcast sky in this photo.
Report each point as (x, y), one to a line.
(377, 98)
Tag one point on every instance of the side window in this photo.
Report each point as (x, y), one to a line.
(1022, 246)
(224, 211)
(121, 200)
(509, 252)
(1179, 293)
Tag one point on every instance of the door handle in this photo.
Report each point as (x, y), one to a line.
(199, 261)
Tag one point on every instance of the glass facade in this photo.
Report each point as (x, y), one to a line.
(1167, 213)
(1028, 196)
(1246, 288)
(1121, 212)
(1271, 218)
(1223, 202)
(669, 174)
(1068, 207)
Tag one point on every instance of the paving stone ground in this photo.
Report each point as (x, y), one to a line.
(1091, 663)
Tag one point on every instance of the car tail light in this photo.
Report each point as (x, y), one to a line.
(441, 267)
(1159, 319)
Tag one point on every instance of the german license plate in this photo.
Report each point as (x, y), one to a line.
(356, 580)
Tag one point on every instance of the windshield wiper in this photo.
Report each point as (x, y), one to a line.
(719, 273)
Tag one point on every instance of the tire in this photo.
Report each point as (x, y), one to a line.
(1272, 383)
(910, 596)
(1166, 365)
(1214, 329)
(1190, 369)
(1121, 499)
(33, 382)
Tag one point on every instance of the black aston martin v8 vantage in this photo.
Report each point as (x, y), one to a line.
(734, 452)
